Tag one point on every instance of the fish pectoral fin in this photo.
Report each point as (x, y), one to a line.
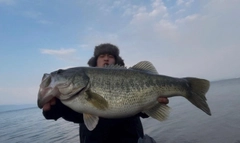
(90, 121)
(96, 100)
(159, 112)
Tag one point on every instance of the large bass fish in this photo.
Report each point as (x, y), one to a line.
(117, 92)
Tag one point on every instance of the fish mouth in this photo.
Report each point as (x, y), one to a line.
(50, 88)
(45, 95)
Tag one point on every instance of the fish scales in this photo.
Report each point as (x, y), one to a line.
(115, 89)
(131, 89)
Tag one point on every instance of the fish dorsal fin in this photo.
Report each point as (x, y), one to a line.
(145, 66)
(112, 66)
(159, 112)
(90, 121)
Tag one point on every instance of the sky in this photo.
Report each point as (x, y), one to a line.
(182, 38)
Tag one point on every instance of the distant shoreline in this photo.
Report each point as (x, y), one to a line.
(7, 108)
(230, 79)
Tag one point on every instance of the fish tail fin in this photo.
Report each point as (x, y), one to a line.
(198, 89)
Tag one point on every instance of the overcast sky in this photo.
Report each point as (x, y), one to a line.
(181, 38)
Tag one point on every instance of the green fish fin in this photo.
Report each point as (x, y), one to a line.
(112, 66)
(90, 121)
(96, 100)
(145, 66)
(159, 112)
(198, 89)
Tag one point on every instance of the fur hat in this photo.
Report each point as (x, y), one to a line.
(106, 48)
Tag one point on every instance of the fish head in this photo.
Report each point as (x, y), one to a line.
(62, 84)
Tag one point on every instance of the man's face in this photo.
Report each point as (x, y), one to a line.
(105, 59)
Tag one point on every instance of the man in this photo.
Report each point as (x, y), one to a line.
(125, 130)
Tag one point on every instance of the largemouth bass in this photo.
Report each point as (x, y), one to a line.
(117, 92)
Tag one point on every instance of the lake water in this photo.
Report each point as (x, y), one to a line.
(186, 123)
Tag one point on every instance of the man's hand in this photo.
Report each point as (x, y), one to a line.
(163, 100)
(47, 106)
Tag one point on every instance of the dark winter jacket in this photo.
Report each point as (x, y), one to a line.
(125, 130)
